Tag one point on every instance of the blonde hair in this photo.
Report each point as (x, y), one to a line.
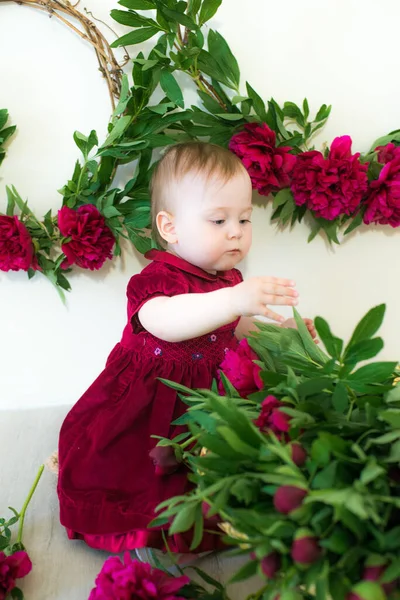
(180, 159)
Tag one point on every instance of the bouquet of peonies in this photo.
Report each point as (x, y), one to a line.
(14, 561)
(304, 473)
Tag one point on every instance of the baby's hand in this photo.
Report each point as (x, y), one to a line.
(291, 324)
(252, 296)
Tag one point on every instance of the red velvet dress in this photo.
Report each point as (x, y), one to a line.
(107, 485)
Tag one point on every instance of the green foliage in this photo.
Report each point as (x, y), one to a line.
(347, 419)
(5, 132)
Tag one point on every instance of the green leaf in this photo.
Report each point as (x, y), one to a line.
(368, 325)
(178, 17)
(392, 572)
(248, 570)
(282, 197)
(193, 7)
(292, 111)
(371, 471)
(208, 65)
(392, 416)
(81, 141)
(323, 113)
(135, 37)
(338, 542)
(171, 88)
(221, 52)
(373, 373)
(198, 528)
(208, 10)
(17, 594)
(236, 443)
(3, 117)
(326, 477)
(356, 222)
(137, 4)
(363, 350)
(230, 116)
(368, 590)
(131, 19)
(306, 109)
(184, 519)
(258, 103)
(340, 397)
(310, 346)
(332, 344)
(118, 129)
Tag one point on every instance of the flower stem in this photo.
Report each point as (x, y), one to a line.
(25, 506)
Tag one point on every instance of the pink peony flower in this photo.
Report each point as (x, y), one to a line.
(16, 246)
(305, 548)
(330, 186)
(133, 580)
(273, 419)
(387, 153)
(383, 201)
(269, 167)
(288, 498)
(91, 240)
(12, 567)
(239, 368)
(164, 460)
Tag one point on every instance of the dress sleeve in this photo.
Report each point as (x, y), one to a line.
(150, 284)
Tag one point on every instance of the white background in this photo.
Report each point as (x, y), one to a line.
(341, 52)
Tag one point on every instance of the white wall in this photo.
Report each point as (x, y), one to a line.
(340, 52)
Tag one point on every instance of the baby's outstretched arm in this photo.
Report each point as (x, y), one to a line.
(186, 316)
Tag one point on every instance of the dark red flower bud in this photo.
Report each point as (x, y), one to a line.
(270, 564)
(374, 573)
(299, 455)
(366, 590)
(394, 474)
(164, 460)
(288, 498)
(305, 548)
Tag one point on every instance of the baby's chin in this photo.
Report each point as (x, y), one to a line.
(227, 262)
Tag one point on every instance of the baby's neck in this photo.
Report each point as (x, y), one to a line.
(172, 251)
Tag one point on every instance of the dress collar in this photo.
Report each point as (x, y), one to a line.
(187, 267)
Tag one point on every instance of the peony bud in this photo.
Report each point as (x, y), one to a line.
(374, 573)
(288, 498)
(366, 590)
(270, 564)
(394, 474)
(299, 455)
(305, 548)
(164, 460)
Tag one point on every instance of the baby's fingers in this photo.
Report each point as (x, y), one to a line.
(280, 300)
(270, 314)
(279, 290)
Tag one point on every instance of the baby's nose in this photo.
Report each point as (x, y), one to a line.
(235, 231)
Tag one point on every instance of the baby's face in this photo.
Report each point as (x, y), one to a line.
(212, 220)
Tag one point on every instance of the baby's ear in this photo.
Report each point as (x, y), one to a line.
(166, 227)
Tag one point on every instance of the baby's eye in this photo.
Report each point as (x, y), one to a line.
(219, 222)
(244, 221)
